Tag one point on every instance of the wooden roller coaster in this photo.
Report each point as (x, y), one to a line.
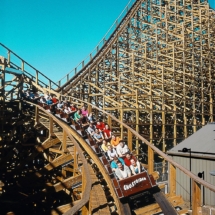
(150, 78)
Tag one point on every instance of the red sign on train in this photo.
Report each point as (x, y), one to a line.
(136, 183)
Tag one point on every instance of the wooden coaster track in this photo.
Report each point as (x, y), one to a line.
(152, 80)
(151, 72)
(102, 170)
(62, 155)
(155, 71)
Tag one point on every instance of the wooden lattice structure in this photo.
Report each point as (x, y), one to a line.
(154, 78)
(156, 70)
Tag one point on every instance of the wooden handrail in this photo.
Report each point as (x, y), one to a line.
(24, 62)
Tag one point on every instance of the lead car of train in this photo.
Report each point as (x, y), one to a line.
(136, 190)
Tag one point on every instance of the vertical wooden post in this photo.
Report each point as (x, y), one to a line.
(63, 172)
(196, 200)
(89, 108)
(174, 98)
(185, 126)
(89, 89)
(150, 160)
(163, 118)
(150, 151)
(175, 126)
(172, 180)
(75, 167)
(96, 91)
(194, 124)
(50, 127)
(36, 115)
(37, 77)
(20, 90)
(23, 65)
(121, 118)
(64, 149)
(193, 73)
(130, 140)
(64, 140)
(184, 82)
(210, 69)
(163, 114)
(85, 209)
(201, 70)
(137, 119)
(109, 121)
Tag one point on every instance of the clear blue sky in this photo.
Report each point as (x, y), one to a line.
(54, 36)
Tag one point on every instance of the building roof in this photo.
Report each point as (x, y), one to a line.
(201, 143)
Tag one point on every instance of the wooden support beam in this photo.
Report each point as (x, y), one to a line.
(165, 205)
(62, 209)
(57, 151)
(86, 208)
(59, 161)
(69, 169)
(196, 197)
(109, 122)
(64, 140)
(47, 144)
(172, 180)
(50, 126)
(130, 146)
(75, 165)
(68, 183)
(121, 119)
(150, 160)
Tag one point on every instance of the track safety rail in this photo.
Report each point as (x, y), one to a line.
(27, 69)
